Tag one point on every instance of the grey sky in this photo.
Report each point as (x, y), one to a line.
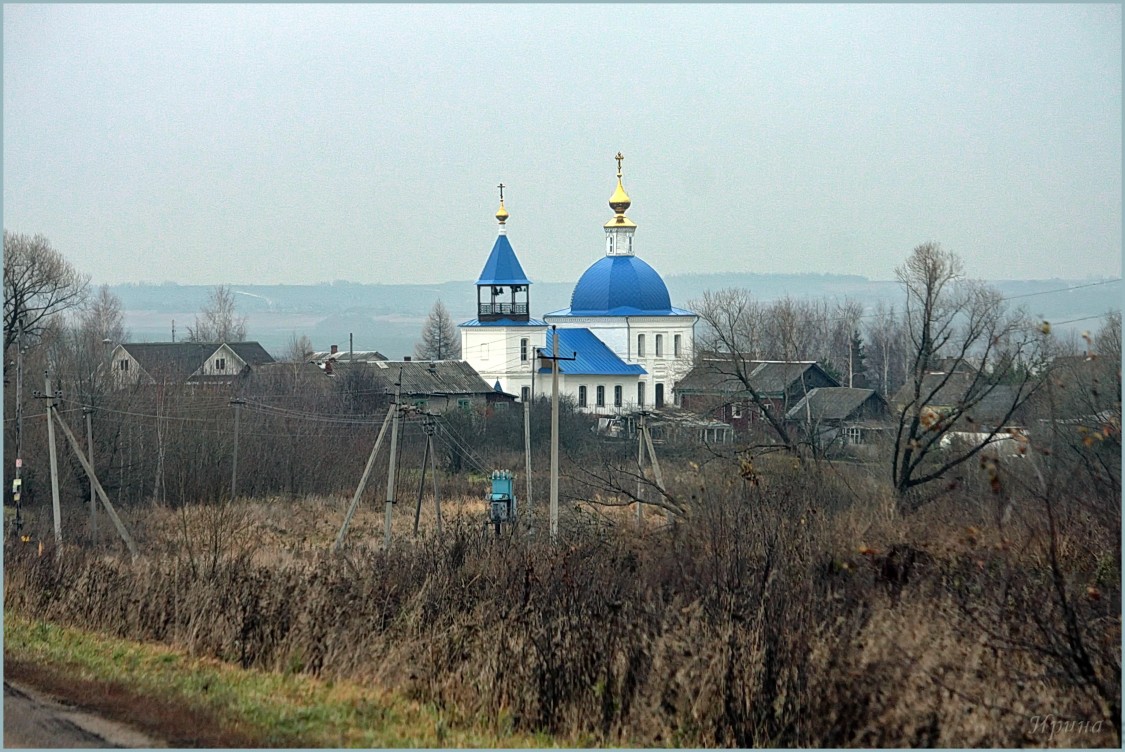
(294, 144)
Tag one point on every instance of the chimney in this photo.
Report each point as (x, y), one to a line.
(335, 349)
(405, 358)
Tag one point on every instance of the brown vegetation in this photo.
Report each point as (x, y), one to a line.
(796, 610)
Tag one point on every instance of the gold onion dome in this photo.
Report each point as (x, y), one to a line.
(620, 200)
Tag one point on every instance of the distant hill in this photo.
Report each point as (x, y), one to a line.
(389, 318)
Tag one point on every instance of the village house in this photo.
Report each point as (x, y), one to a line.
(711, 388)
(192, 363)
(835, 417)
(432, 385)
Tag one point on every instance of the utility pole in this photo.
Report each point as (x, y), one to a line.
(17, 484)
(89, 413)
(640, 466)
(94, 479)
(387, 518)
(554, 432)
(362, 483)
(555, 429)
(421, 488)
(238, 403)
(527, 453)
(657, 475)
(56, 509)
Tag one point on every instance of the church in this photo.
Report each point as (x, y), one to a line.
(622, 345)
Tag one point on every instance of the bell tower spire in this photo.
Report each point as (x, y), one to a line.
(619, 230)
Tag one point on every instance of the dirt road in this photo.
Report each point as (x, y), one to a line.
(33, 720)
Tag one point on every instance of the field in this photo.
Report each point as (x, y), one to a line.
(792, 606)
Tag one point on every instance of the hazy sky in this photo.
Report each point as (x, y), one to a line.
(299, 144)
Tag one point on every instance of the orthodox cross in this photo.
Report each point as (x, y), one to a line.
(619, 157)
(501, 187)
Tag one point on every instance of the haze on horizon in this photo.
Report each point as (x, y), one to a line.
(305, 143)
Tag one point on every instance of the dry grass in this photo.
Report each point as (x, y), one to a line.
(795, 611)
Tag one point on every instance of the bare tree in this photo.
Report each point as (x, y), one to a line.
(964, 345)
(220, 321)
(38, 282)
(886, 350)
(81, 349)
(439, 336)
(733, 328)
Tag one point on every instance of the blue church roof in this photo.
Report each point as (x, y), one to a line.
(502, 267)
(620, 286)
(594, 358)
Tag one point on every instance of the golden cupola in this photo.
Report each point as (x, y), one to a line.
(619, 201)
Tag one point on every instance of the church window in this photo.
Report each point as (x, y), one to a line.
(640, 345)
(617, 396)
(609, 240)
(659, 395)
(660, 345)
(676, 346)
(601, 396)
(525, 394)
(523, 350)
(582, 396)
(640, 394)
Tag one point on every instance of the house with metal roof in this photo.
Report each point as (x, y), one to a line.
(838, 416)
(713, 387)
(435, 385)
(135, 363)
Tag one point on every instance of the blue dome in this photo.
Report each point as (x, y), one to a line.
(620, 282)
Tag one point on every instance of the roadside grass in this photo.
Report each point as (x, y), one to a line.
(253, 708)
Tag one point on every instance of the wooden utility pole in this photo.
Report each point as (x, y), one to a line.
(97, 485)
(527, 455)
(56, 509)
(421, 488)
(640, 466)
(554, 432)
(238, 403)
(17, 484)
(555, 428)
(433, 474)
(89, 413)
(387, 517)
(362, 483)
(657, 475)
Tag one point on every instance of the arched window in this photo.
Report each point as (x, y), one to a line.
(660, 345)
(525, 393)
(601, 396)
(617, 396)
(582, 396)
(640, 345)
(676, 347)
(640, 394)
(523, 350)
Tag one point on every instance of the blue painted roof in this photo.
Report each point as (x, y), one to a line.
(504, 322)
(594, 357)
(620, 285)
(502, 267)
